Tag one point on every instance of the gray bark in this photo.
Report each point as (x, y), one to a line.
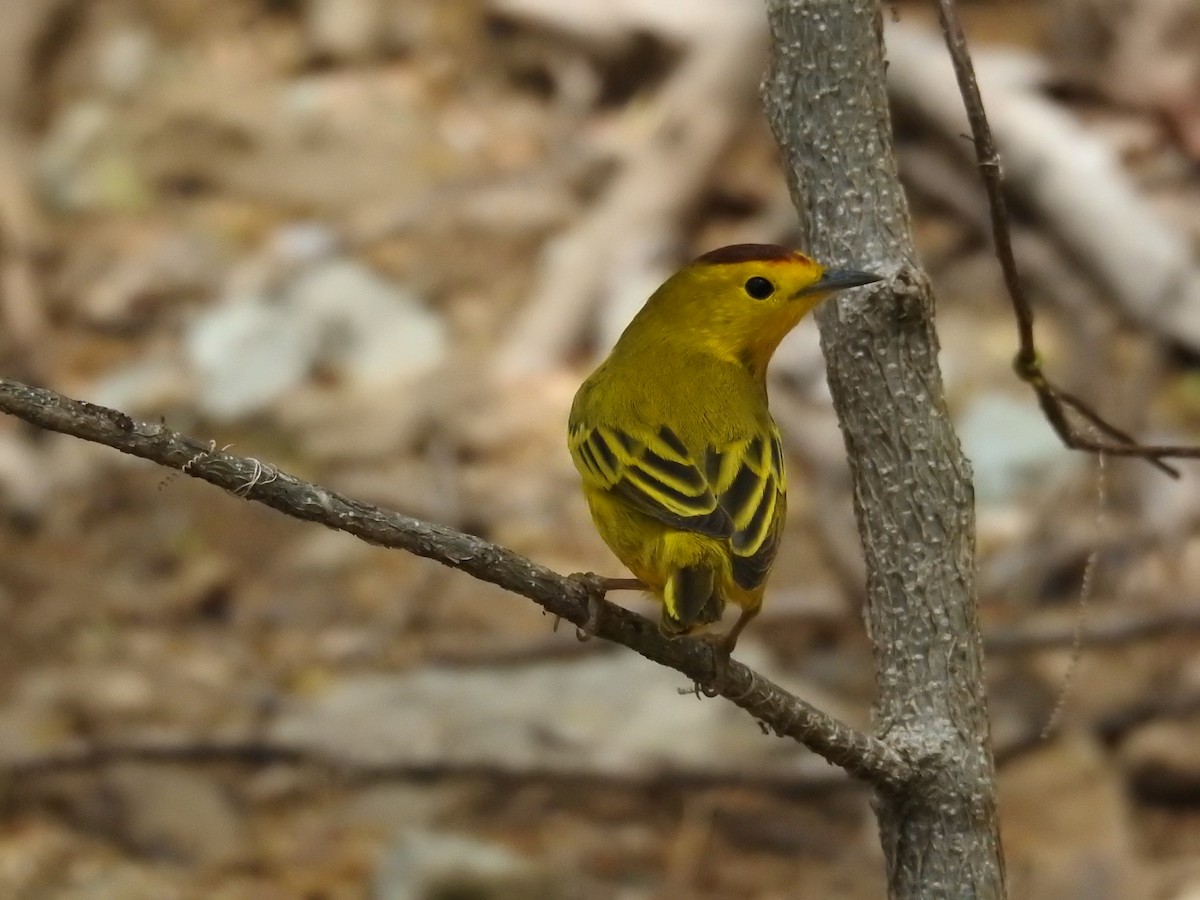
(826, 100)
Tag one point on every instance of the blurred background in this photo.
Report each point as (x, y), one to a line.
(379, 243)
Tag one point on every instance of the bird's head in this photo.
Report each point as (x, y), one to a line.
(739, 302)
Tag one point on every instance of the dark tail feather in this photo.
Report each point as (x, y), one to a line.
(689, 599)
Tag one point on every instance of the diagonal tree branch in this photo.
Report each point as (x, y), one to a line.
(1053, 400)
(570, 598)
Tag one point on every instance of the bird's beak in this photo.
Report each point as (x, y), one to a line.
(838, 280)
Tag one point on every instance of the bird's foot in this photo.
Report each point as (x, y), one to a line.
(722, 646)
(599, 584)
(722, 643)
(597, 587)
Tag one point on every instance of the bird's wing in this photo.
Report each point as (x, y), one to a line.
(736, 492)
(749, 480)
(654, 473)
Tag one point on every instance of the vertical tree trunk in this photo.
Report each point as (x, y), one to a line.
(827, 103)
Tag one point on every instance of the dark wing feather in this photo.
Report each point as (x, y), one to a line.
(737, 492)
(751, 487)
(653, 473)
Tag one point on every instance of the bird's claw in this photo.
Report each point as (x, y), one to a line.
(589, 581)
(722, 649)
(595, 587)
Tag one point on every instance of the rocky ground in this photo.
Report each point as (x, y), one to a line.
(379, 243)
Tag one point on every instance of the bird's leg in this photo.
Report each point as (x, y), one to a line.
(618, 584)
(729, 639)
(723, 644)
(597, 587)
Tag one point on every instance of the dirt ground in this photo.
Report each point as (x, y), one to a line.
(379, 243)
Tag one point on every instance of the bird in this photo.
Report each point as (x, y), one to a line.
(681, 462)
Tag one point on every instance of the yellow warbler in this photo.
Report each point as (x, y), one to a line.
(681, 462)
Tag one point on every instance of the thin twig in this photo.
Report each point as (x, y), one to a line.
(1086, 585)
(859, 754)
(1028, 363)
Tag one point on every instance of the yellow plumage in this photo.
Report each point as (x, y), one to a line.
(681, 462)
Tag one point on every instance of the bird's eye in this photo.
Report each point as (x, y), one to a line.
(759, 288)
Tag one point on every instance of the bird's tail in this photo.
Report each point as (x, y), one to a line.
(690, 599)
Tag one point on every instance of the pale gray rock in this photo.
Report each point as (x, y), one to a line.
(176, 813)
(338, 315)
(1011, 446)
(427, 866)
(616, 714)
